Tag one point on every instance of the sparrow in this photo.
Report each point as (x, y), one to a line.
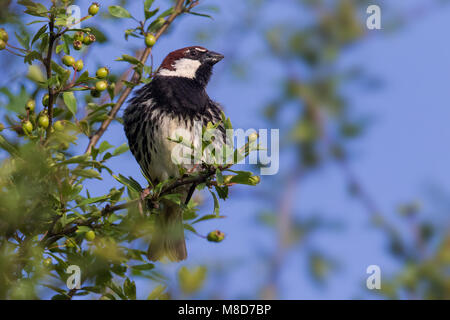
(175, 98)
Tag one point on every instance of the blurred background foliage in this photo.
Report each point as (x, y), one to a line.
(309, 43)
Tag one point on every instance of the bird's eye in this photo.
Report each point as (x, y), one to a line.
(194, 53)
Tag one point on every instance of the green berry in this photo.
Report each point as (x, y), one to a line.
(47, 262)
(45, 100)
(90, 235)
(89, 39)
(150, 40)
(27, 127)
(2, 127)
(59, 125)
(77, 45)
(43, 121)
(102, 73)
(2, 44)
(93, 9)
(4, 35)
(86, 41)
(216, 236)
(95, 93)
(79, 36)
(30, 105)
(68, 61)
(79, 65)
(101, 85)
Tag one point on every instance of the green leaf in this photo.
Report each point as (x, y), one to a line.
(93, 200)
(44, 43)
(23, 40)
(129, 288)
(147, 266)
(166, 13)
(34, 9)
(149, 14)
(100, 36)
(175, 198)
(71, 102)
(92, 289)
(207, 217)
(190, 228)
(121, 149)
(105, 145)
(241, 177)
(87, 173)
(39, 33)
(16, 101)
(83, 77)
(83, 229)
(200, 14)
(216, 203)
(244, 177)
(36, 21)
(77, 159)
(219, 177)
(222, 192)
(58, 69)
(148, 4)
(117, 290)
(5, 145)
(119, 12)
(129, 59)
(65, 44)
(56, 289)
(131, 32)
(156, 24)
(157, 293)
(130, 183)
(35, 74)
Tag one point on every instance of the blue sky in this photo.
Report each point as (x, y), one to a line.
(402, 152)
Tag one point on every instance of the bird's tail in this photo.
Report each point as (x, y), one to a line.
(168, 235)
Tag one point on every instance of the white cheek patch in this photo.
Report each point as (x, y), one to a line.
(185, 68)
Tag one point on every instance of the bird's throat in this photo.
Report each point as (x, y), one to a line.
(179, 94)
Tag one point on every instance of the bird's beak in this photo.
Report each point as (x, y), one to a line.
(213, 57)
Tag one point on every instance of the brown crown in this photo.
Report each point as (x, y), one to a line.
(169, 61)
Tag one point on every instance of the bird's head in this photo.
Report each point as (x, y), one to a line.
(191, 62)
